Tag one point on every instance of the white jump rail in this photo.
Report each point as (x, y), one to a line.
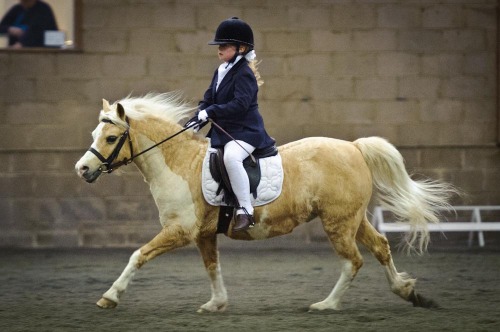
(475, 224)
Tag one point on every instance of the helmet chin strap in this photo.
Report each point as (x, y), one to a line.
(233, 59)
(237, 54)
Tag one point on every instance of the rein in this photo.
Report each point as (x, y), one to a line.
(108, 162)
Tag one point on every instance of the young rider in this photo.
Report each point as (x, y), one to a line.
(231, 102)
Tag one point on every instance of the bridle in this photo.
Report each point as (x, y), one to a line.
(108, 166)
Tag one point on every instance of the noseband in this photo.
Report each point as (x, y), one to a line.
(107, 163)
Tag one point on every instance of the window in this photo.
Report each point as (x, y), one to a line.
(67, 14)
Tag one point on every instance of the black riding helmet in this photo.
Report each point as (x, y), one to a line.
(233, 31)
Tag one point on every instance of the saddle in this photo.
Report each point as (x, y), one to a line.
(220, 175)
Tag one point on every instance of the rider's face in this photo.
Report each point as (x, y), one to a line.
(226, 52)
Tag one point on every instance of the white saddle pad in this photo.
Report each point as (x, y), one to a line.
(268, 189)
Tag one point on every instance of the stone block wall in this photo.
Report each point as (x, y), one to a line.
(421, 73)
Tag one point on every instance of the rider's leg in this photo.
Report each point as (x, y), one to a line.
(234, 155)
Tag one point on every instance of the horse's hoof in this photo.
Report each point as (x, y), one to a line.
(322, 306)
(420, 301)
(104, 303)
(211, 308)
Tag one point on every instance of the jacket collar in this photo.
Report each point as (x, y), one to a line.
(230, 73)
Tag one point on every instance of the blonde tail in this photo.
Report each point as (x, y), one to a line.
(417, 202)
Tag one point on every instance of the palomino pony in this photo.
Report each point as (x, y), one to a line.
(323, 177)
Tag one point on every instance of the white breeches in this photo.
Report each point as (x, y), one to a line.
(233, 159)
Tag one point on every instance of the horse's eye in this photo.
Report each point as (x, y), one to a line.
(111, 139)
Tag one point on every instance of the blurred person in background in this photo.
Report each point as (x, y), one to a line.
(26, 22)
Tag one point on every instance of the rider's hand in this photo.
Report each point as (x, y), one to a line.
(191, 122)
(195, 124)
(202, 116)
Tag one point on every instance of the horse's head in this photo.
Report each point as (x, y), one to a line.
(108, 149)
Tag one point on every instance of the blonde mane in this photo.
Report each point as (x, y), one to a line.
(168, 106)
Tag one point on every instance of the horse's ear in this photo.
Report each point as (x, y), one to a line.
(121, 111)
(105, 105)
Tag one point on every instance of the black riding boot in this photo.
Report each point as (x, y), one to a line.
(243, 222)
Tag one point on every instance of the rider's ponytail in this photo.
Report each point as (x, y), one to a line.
(254, 66)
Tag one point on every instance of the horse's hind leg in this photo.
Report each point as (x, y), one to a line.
(342, 237)
(210, 255)
(400, 283)
(169, 238)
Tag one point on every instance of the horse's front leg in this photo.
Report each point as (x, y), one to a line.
(208, 250)
(169, 238)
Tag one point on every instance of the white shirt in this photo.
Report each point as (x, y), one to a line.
(225, 67)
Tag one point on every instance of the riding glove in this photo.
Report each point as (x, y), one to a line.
(195, 124)
(202, 116)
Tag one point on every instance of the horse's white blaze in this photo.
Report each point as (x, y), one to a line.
(89, 159)
(97, 131)
(95, 134)
(121, 284)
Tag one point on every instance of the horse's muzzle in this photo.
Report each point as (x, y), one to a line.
(85, 173)
(92, 177)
